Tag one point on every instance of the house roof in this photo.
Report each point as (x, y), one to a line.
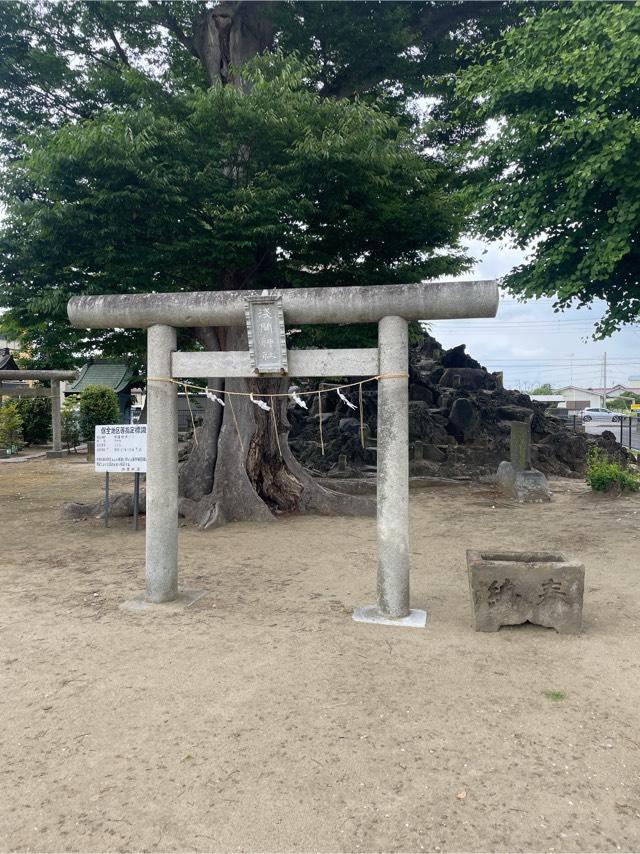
(578, 388)
(7, 362)
(600, 391)
(115, 375)
(618, 387)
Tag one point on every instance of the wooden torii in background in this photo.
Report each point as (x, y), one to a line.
(391, 306)
(55, 378)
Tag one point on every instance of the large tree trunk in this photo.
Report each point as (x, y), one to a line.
(242, 467)
(229, 34)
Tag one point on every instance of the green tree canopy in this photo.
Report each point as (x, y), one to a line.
(545, 388)
(133, 168)
(619, 404)
(224, 190)
(169, 146)
(557, 170)
(65, 61)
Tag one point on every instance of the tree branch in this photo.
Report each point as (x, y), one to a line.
(170, 22)
(119, 49)
(111, 33)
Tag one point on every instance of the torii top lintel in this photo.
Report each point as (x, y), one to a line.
(55, 376)
(420, 301)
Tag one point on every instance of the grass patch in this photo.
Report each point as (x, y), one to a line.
(556, 696)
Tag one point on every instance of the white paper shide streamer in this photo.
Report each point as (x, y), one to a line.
(348, 402)
(297, 399)
(214, 397)
(260, 403)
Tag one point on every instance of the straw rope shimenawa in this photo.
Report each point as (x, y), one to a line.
(319, 392)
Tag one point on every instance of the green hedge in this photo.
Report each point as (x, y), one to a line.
(98, 405)
(10, 427)
(36, 419)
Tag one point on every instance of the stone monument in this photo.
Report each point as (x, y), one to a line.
(508, 588)
(517, 479)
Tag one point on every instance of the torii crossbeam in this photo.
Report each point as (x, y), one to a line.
(391, 306)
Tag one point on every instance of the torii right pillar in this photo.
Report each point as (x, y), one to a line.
(393, 468)
(392, 607)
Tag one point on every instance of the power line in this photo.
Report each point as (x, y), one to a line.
(454, 331)
(452, 326)
(580, 363)
(549, 360)
(497, 319)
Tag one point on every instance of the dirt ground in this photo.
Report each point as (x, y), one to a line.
(262, 718)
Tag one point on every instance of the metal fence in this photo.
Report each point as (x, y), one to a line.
(626, 428)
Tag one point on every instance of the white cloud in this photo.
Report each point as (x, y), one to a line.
(531, 343)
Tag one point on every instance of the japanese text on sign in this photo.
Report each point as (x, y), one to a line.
(266, 334)
(121, 447)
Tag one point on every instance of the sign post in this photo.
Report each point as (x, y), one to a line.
(121, 448)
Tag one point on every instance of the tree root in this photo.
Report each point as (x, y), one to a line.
(318, 499)
(120, 504)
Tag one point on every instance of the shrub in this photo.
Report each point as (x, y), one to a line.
(10, 426)
(605, 475)
(619, 404)
(70, 423)
(36, 419)
(98, 405)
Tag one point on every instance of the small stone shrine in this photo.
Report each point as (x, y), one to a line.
(517, 479)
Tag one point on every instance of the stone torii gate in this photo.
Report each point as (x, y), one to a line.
(55, 377)
(391, 306)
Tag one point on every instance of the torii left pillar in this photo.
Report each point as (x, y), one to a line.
(393, 469)
(162, 468)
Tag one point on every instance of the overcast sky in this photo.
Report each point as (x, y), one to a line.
(531, 343)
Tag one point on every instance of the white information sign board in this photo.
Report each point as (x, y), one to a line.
(121, 447)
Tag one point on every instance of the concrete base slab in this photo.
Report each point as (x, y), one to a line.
(185, 599)
(56, 454)
(416, 619)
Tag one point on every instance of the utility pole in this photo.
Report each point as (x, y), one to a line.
(604, 396)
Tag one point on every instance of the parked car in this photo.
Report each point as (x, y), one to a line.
(596, 413)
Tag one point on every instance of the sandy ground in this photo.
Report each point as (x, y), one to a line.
(262, 718)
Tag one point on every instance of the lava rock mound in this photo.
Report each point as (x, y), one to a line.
(459, 423)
